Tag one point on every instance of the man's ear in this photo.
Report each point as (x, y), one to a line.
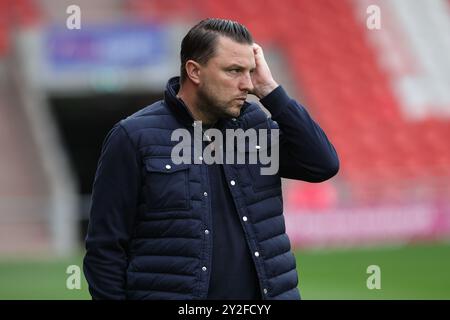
(193, 71)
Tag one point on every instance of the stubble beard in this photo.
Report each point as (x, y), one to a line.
(209, 105)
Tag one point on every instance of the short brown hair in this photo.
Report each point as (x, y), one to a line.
(200, 42)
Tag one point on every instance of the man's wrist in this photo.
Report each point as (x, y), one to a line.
(266, 89)
(276, 101)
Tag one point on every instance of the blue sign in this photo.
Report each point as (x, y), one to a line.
(111, 46)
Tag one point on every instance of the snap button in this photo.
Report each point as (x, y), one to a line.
(265, 291)
(206, 231)
(232, 182)
(205, 194)
(168, 166)
(244, 218)
(204, 268)
(256, 254)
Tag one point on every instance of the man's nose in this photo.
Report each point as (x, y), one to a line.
(246, 83)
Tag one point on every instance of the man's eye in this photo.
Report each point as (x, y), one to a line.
(234, 70)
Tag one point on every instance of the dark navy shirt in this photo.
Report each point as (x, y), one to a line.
(233, 274)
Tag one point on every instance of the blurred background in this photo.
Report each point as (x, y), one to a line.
(380, 92)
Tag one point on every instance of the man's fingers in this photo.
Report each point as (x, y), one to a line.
(257, 50)
(259, 55)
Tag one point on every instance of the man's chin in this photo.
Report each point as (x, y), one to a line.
(235, 112)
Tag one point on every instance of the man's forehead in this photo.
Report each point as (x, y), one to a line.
(231, 52)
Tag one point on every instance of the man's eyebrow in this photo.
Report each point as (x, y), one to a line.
(235, 65)
(238, 66)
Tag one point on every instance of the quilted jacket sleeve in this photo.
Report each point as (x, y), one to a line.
(112, 214)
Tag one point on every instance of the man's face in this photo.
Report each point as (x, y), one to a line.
(225, 79)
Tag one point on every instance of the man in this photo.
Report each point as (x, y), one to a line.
(161, 229)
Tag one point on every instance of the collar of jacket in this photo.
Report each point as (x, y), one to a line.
(181, 111)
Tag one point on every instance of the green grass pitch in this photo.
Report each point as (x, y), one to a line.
(407, 272)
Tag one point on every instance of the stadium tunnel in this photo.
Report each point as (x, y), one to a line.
(83, 122)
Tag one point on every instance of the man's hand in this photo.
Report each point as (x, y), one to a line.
(262, 79)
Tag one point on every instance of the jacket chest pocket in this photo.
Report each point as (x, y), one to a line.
(166, 184)
(260, 179)
(261, 182)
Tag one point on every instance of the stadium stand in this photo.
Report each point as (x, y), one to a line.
(23, 227)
